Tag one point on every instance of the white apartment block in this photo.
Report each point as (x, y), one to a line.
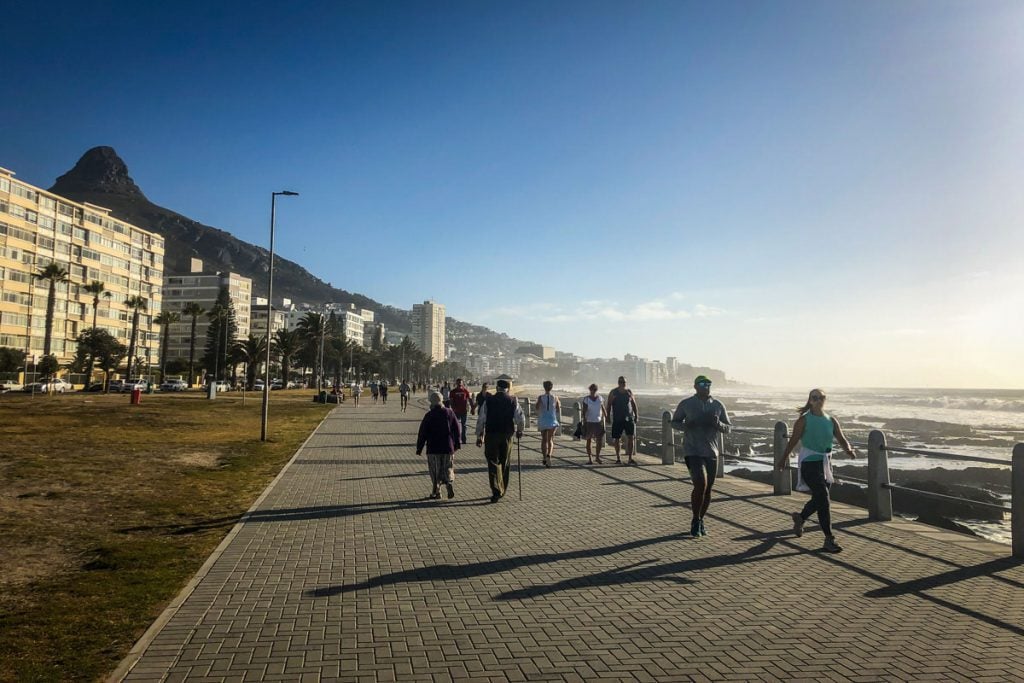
(37, 228)
(428, 329)
(258, 317)
(203, 289)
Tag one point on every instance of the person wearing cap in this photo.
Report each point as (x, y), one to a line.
(441, 434)
(594, 416)
(815, 431)
(622, 412)
(703, 421)
(500, 418)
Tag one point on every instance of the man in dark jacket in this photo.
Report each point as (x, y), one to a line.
(440, 432)
(500, 418)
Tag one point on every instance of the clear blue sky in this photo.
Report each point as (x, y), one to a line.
(795, 192)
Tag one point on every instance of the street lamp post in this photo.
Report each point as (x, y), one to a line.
(270, 311)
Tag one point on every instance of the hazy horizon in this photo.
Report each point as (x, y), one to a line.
(796, 193)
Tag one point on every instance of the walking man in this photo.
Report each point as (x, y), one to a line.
(500, 418)
(622, 413)
(356, 390)
(594, 416)
(403, 393)
(703, 421)
(384, 392)
(460, 398)
(481, 396)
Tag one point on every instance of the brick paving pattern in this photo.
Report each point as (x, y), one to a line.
(346, 572)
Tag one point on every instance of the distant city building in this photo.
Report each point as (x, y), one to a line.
(258, 317)
(38, 228)
(428, 329)
(542, 352)
(203, 289)
(374, 334)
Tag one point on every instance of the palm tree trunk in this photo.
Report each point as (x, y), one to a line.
(163, 352)
(131, 341)
(192, 352)
(50, 303)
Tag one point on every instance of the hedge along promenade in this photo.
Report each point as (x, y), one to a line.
(108, 509)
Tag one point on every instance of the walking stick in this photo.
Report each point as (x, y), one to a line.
(519, 465)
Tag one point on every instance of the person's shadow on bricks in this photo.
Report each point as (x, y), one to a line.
(454, 572)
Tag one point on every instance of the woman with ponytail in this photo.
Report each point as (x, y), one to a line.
(815, 431)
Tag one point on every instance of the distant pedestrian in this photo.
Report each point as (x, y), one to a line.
(481, 396)
(374, 391)
(383, 391)
(446, 391)
(815, 431)
(439, 433)
(594, 415)
(356, 390)
(403, 394)
(703, 420)
(459, 398)
(500, 418)
(548, 410)
(622, 413)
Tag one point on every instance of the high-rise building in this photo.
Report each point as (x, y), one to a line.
(428, 329)
(258, 317)
(37, 228)
(203, 289)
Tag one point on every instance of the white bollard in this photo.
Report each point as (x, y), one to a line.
(879, 497)
(1017, 501)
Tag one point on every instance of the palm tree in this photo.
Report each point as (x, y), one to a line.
(52, 273)
(313, 329)
(137, 304)
(165, 320)
(195, 310)
(97, 289)
(253, 351)
(286, 344)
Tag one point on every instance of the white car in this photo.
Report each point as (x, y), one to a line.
(174, 385)
(57, 386)
(10, 386)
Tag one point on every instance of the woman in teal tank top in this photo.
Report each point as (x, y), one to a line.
(815, 431)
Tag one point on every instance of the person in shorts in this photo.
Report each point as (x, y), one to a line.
(594, 417)
(548, 410)
(622, 413)
(704, 421)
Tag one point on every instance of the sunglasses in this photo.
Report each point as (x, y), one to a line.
(704, 384)
(817, 398)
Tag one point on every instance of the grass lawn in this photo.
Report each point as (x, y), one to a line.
(107, 509)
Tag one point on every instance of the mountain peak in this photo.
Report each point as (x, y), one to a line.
(99, 171)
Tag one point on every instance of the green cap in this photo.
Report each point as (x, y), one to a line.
(701, 378)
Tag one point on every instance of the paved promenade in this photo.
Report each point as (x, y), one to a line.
(343, 571)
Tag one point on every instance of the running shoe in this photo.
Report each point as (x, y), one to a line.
(451, 491)
(695, 528)
(831, 546)
(703, 531)
(798, 524)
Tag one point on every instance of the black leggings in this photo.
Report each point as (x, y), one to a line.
(703, 472)
(813, 474)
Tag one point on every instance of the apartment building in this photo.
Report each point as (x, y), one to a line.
(258, 317)
(37, 228)
(203, 288)
(428, 329)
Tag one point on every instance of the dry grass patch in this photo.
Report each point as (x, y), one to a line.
(109, 508)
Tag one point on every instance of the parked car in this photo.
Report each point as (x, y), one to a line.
(129, 385)
(58, 386)
(116, 386)
(10, 386)
(94, 388)
(174, 385)
(276, 384)
(258, 385)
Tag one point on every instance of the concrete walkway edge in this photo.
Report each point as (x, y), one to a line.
(139, 649)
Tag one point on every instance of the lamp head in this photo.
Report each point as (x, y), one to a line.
(288, 193)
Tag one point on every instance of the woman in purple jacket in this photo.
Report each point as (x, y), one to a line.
(441, 433)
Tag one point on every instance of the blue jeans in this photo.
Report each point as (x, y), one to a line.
(813, 474)
(462, 421)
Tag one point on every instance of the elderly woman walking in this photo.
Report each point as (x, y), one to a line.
(815, 431)
(441, 434)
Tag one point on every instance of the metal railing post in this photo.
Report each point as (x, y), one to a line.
(782, 479)
(668, 440)
(1017, 501)
(526, 411)
(720, 467)
(577, 415)
(879, 496)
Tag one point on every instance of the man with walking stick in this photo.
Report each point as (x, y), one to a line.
(500, 418)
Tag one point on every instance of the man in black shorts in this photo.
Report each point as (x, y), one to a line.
(622, 413)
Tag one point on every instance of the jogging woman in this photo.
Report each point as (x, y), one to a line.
(815, 431)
